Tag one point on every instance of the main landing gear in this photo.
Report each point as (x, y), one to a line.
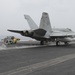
(66, 43)
(58, 43)
(42, 43)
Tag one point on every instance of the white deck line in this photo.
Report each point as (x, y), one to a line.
(33, 67)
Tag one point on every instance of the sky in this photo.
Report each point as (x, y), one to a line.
(61, 13)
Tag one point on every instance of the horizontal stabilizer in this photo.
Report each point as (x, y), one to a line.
(15, 31)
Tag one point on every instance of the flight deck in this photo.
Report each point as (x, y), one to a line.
(39, 60)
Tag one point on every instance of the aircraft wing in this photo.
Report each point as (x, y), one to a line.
(62, 35)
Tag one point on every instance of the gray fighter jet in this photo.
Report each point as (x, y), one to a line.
(45, 33)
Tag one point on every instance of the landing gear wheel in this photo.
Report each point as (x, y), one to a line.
(66, 43)
(57, 43)
(42, 43)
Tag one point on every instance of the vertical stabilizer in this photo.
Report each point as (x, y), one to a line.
(31, 23)
(45, 22)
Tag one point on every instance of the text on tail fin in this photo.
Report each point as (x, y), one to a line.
(45, 22)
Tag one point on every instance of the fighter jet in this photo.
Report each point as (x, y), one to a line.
(45, 33)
